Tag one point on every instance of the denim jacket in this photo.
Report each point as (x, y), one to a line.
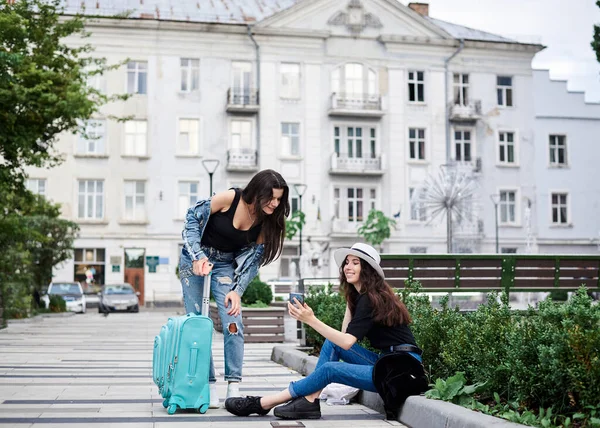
(247, 259)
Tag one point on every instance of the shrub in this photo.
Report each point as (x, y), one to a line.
(257, 291)
(329, 307)
(57, 304)
(16, 300)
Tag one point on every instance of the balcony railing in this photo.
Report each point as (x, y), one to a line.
(341, 163)
(242, 160)
(242, 100)
(368, 105)
(465, 112)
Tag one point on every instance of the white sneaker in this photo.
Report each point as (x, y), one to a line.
(233, 389)
(214, 397)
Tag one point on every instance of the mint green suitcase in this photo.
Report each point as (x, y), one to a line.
(181, 359)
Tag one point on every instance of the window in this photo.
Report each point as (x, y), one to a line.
(188, 196)
(418, 212)
(508, 250)
(135, 138)
(290, 81)
(461, 89)
(355, 204)
(506, 147)
(294, 203)
(241, 82)
(137, 72)
(354, 137)
(241, 134)
(416, 143)
(91, 142)
(89, 265)
(507, 207)
(90, 203)
(417, 250)
(190, 74)
(558, 150)
(559, 208)
(95, 80)
(416, 86)
(351, 202)
(504, 91)
(354, 80)
(290, 139)
(189, 136)
(462, 145)
(135, 200)
(36, 186)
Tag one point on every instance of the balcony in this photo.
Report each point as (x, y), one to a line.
(342, 164)
(470, 112)
(242, 160)
(356, 105)
(240, 100)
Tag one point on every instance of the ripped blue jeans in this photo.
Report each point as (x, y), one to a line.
(221, 283)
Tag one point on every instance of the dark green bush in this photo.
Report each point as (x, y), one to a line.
(257, 291)
(57, 304)
(16, 300)
(329, 307)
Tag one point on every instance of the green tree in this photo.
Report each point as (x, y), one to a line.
(43, 85)
(294, 224)
(377, 228)
(596, 39)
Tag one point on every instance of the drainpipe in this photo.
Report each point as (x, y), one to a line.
(446, 61)
(257, 92)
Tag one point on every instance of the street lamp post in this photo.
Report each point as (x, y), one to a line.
(496, 200)
(210, 165)
(300, 189)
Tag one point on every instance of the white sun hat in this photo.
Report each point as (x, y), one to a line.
(363, 251)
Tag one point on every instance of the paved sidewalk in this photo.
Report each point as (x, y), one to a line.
(94, 371)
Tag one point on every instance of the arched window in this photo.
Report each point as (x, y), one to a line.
(354, 80)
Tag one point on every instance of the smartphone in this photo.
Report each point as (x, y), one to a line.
(298, 296)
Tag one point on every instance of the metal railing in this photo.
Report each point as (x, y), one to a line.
(242, 96)
(242, 159)
(341, 162)
(469, 111)
(343, 101)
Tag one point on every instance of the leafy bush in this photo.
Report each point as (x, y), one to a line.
(16, 300)
(257, 291)
(57, 304)
(329, 307)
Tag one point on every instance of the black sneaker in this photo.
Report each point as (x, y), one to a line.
(299, 408)
(244, 406)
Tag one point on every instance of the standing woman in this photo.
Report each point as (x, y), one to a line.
(373, 311)
(232, 234)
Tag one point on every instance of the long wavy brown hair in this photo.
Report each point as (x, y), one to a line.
(259, 191)
(387, 307)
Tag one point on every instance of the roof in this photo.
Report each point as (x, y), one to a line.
(207, 11)
(241, 12)
(461, 32)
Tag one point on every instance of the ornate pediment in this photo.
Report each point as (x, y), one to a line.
(355, 18)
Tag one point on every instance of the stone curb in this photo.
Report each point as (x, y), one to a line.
(417, 412)
(40, 317)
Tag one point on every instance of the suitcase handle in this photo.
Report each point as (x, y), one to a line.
(193, 361)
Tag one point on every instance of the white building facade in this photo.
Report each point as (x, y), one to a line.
(360, 101)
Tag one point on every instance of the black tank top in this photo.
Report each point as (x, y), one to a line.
(222, 235)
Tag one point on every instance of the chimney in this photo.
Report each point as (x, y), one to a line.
(420, 8)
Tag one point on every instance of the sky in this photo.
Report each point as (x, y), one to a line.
(565, 27)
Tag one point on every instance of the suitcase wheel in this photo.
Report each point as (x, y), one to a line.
(203, 408)
(165, 403)
(172, 409)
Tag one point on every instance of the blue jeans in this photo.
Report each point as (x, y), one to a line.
(356, 370)
(220, 284)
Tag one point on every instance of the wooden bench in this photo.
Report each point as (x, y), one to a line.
(261, 325)
(515, 272)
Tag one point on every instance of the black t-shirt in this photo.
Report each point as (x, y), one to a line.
(379, 335)
(222, 235)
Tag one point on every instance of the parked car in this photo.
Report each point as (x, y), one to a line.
(71, 292)
(118, 297)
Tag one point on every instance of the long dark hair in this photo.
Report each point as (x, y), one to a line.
(387, 307)
(260, 192)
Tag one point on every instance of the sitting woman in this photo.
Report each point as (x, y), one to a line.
(373, 311)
